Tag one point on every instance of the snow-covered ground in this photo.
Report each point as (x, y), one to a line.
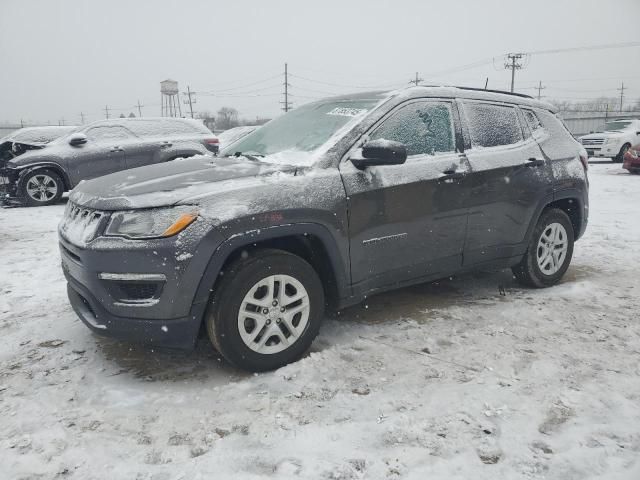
(453, 380)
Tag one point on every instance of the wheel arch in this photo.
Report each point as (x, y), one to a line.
(310, 241)
(46, 166)
(570, 201)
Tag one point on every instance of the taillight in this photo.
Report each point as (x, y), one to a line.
(211, 141)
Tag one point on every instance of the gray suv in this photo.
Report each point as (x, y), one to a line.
(335, 201)
(40, 177)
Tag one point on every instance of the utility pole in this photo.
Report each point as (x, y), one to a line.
(514, 65)
(106, 111)
(621, 90)
(61, 122)
(417, 80)
(286, 104)
(81, 118)
(188, 93)
(486, 83)
(539, 88)
(139, 108)
(21, 123)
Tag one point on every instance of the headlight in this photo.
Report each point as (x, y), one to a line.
(610, 141)
(154, 223)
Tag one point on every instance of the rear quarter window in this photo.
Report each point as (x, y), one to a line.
(492, 125)
(553, 125)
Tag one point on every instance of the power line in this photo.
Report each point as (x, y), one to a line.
(621, 90)
(286, 103)
(513, 57)
(190, 101)
(590, 48)
(239, 87)
(417, 80)
(345, 85)
(540, 88)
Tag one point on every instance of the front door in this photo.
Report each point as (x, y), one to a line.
(408, 221)
(509, 177)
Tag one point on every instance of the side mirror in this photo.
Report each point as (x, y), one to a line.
(77, 139)
(380, 152)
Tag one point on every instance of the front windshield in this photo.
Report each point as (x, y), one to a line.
(293, 137)
(612, 126)
(64, 138)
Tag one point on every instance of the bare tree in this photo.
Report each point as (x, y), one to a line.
(227, 118)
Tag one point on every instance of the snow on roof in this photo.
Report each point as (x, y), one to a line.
(38, 135)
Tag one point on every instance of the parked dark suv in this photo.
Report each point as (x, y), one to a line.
(40, 177)
(334, 201)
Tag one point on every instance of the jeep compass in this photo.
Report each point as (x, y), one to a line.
(321, 207)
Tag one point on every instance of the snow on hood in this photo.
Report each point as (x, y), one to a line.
(179, 181)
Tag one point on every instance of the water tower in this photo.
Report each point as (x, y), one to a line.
(169, 101)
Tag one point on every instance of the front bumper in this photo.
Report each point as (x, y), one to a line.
(601, 151)
(167, 314)
(8, 184)
(172, 333)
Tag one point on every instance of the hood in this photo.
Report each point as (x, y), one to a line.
(44, 153)
(599, 135)
(177, 182)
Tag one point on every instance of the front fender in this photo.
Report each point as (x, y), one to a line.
(225, 249)
(19, 171)
(180, 151)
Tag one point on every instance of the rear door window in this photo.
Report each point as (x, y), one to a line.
(492, 125)
(106, 134)
(425, 128)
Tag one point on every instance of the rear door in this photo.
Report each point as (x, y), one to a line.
(102, 154)
(408, 221)
(509, 176)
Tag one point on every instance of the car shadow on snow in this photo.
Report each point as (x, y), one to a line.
(153, 364)
(418, 303)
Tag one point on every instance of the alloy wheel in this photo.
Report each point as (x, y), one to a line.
(552, 248)
(42, 187)
(273, 314)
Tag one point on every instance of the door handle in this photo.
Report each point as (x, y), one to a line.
(166, 145)
(448, 176)
(116, 149)
(534, 162)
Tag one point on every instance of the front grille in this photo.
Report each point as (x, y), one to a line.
(592, 141)
(80, 225)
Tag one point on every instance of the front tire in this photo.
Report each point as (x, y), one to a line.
(550, 250)
(41, 187)
(620, 157)
(266, 310)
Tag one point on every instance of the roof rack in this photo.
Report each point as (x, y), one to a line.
(496, 91)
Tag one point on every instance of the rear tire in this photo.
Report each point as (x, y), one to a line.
(620, 157)
(550, 250)
(41, 187)
(266, 310)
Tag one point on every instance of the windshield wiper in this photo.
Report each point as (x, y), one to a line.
(249, 155)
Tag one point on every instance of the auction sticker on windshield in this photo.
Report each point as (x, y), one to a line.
(347, 112)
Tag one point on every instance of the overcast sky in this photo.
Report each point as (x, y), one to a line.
(63, 57)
